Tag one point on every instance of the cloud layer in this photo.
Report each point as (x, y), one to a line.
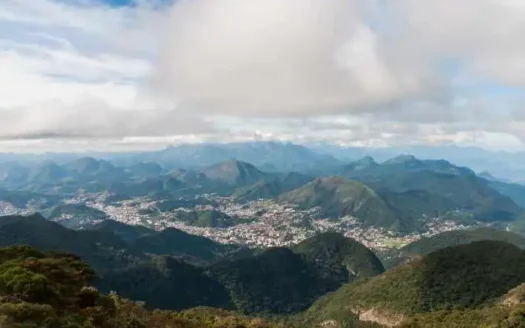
(360, 72)
(282, 58)
(304, 57)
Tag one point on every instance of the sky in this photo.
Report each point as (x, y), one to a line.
(118, 75)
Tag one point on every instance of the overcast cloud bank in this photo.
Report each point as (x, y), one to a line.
(357, 72)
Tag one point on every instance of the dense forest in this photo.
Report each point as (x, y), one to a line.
(52, 290)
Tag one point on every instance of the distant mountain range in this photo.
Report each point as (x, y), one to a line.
(284, 157)
(508, 166)
(398, 194)
(433, 187)
(268, 156)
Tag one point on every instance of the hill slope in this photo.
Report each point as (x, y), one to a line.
(101, 250)
(338, 197)
(74, 216)
(434, 188)
(281, 280)
(112, 245)
(271, 186)
(233, 173)
(454, 238)
(50, 290)
(459, 277)
(168, 283)
(193, 248)
(332, 252)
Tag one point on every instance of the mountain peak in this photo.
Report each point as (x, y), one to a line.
(84, 165)
(338, 197)
(89, 166)
(233, 172)
(363, 163)
(366, 160)
(401, 159)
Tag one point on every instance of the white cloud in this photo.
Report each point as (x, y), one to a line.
(483, 34)
(78, 71)
(359, 72)
(278, 58)
(310, 57)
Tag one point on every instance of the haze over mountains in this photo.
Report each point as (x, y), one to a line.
(400, 194)
(277, 156)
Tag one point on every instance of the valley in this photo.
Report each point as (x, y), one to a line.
(382, 205)
(262, 223)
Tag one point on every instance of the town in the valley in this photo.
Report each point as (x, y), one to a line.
(260, 223)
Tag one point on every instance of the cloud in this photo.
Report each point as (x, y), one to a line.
(357, 72)
(65, 76)
(308, 57)
(481, 34)
(94, 120)
(281, 58)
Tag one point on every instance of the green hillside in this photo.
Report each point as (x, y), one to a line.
(123, 231)
(207, 219)
(260, 190)
(193, 248)
(437, 188)
(334, 254)
(507, 312)
(155, 266)
(112, 245)
(74, 215)
(271, 186)
(277, 281)
(479, 284)
(337, 197)
(447, 193)
(281, 280)
(52, 290)
(453, 238)
(102, 250)
(456, 278)
(49, 290)
(167, 283)
(233, 173)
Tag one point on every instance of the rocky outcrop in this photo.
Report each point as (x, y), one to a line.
(379, 316)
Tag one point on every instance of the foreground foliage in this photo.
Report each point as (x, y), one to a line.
(50, 290)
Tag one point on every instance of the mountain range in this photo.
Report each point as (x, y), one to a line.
(281, 156)
(398, 194)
